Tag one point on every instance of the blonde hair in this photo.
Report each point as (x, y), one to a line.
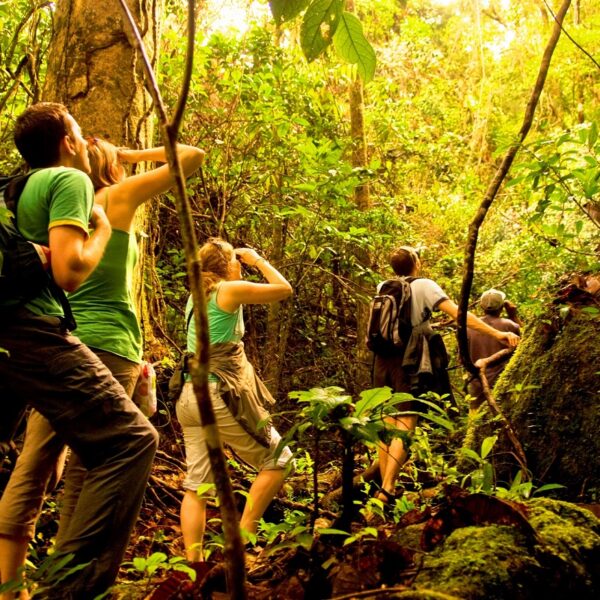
(216, 256)
(104, 162)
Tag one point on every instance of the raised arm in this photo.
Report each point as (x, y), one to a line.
(234, 293)
(74, 255)
(127, 195)
(506, 337)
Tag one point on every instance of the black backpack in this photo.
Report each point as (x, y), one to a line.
(389, 326)
(177, 380)
(24, 268)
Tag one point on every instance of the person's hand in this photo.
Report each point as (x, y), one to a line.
(509, 338)
(125, 154)
(98, 219)
(248, 256)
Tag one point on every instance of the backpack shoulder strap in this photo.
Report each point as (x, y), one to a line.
(69, 319)
(13, 189)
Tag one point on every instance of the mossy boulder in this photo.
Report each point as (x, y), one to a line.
(550, 393)
(499, 562)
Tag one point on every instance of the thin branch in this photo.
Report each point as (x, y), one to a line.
(234, 549)
(494, 186)
(482, 364)
(397, 592)
(189, 65)
(570, 37)
(563, 184)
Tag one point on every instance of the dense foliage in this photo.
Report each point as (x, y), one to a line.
(445, 100)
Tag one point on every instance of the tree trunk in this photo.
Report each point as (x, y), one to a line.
(363, 202)
(97, 74)
(359, 141)
(279, 322)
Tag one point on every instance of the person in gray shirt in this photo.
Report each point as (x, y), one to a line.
(398, 371)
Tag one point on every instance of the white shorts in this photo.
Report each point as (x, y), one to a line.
(230, 432)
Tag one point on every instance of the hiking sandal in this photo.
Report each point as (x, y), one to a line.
(389, 496)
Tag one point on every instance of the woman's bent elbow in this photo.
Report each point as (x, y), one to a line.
(192, 159)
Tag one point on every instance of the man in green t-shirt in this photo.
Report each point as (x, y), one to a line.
(48, 368)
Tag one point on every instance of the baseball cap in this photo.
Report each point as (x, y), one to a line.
(492, 299)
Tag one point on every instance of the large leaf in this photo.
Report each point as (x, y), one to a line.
(319, 26)
(286, 10)
(371, 399)
(352, 45)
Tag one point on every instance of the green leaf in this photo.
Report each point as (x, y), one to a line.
(488, 478)
(204, 488)
(548, 487)
(319, 25)
(471, 454)
(330, 531)
(517, 480)
(185, 569)
(139, 563)
(286, 10)
(158, 558)
(487, 445)
(445, 423)
(515, 180)
(371, 399)
(353, 46)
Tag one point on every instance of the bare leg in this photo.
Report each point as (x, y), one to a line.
(262, 491)
(21, 502)
(393, 457)
(193, 524)
(12, 557)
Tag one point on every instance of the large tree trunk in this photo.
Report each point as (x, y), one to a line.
(549, 392)
(96, 73)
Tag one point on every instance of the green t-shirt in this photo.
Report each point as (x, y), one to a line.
(53, 197)
(103, 305)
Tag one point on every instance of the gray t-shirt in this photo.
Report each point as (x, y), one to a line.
(426, 296)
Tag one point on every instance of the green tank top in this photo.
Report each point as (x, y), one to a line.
(103, 305)
(222, 325)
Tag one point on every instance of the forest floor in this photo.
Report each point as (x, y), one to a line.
(442, 536)
(436, 541)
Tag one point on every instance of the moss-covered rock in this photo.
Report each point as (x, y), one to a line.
(498, 562)
(483, 562)
(550, 392)
(570, 545)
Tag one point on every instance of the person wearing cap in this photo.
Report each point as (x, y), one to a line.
(398, 372)
(481, 346)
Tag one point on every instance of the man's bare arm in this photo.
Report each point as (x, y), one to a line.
(74, 255)
(506, 337)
